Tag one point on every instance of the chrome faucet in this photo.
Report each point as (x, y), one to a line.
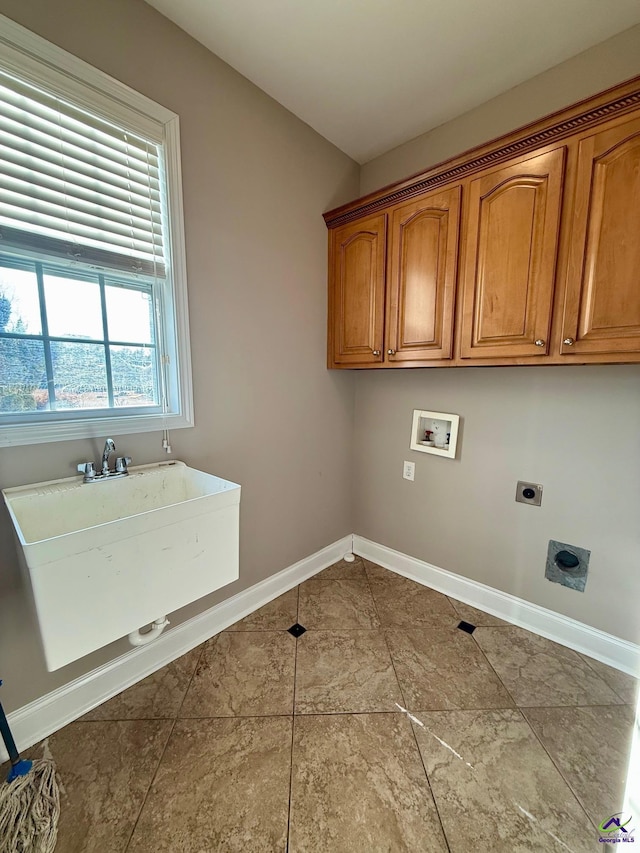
(89, 469)
(109, 447)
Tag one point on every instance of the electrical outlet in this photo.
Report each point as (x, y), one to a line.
(529, 493)
(409, 470)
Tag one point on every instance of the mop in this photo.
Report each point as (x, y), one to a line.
(29, 801)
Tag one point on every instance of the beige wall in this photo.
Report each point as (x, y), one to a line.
(268, 413)
(573, 429)
(596, 69)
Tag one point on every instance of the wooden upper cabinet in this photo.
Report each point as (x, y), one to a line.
(423, 249)
(457, 265)
(602, 298)
(511, 238)
(356, 294)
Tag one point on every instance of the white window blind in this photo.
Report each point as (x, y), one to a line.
(94, 327)
(74, 186)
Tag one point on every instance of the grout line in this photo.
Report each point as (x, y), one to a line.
(586, 659)
(493, 669)
(175, 720)
(253, 631)
(521, 712)
(153, 778)
(417, 709)
(578, 705)
(559, 769)
(193, 675)
(293, 722)
(411, 726)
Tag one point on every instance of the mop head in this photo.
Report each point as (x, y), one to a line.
(29, 810)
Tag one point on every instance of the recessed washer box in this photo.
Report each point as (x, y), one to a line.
(104, 559)
(434, 432)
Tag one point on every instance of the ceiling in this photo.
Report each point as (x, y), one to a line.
(371, 74)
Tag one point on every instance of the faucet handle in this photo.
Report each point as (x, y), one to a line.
(88, 469)
(121, 464)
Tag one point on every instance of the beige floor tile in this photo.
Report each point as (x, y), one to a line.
(344, 571)
(339, 604)
(344, 671)
(105, 769)
(511, 799)
(626, 686)
(402, 603)
(591, 747)
(277, 615)
(243, 674)
(538, 672)
(223, 785)
(376, 572)
(358, 786)
(440, 668)
(476, 617)
(158, 696)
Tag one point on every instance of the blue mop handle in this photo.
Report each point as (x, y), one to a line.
(19, 767)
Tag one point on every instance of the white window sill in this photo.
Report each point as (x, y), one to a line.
(22, 434)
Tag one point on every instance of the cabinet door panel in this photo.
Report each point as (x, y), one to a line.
(602, 303)
(510, 258)
(422, 275)
(356, 310)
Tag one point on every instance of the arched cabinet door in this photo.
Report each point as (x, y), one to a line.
(423, 254)
(602, 297)
(356, 292)
(510, 249)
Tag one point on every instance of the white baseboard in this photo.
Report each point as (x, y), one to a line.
(604, 647)
(42, 717)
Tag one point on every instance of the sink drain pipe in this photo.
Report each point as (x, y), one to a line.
(136, 638)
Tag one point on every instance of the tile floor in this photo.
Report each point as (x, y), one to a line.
(258, 741)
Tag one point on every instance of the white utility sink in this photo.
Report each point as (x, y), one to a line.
(107, 558)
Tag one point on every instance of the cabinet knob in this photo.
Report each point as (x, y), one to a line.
(539, 342)
(391, 352)
(569, 342)
(376, 352)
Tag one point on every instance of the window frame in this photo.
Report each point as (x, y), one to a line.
(45, 65)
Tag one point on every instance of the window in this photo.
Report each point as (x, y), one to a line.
(93, 310)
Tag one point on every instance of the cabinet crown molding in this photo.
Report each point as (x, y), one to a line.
(590, 112)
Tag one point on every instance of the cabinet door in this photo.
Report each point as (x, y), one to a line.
(423, 251)
(356, 300)
(602, 299)
(510, 258)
